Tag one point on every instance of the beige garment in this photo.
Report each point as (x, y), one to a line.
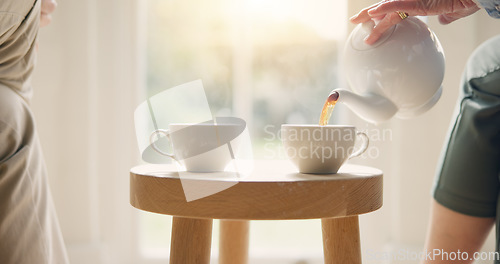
(29, 231)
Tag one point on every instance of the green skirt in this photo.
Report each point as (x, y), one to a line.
(468, 180)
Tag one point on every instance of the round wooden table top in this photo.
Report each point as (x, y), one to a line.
(274, 190)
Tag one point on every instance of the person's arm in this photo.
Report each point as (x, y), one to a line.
(385, 12)
(450, 232)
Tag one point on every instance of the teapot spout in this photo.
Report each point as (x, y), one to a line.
(371, 107)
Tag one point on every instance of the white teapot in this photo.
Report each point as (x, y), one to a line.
(400, 75)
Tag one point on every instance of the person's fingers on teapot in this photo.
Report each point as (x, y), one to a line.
(362, 16)
(414, 8)
(381, 27)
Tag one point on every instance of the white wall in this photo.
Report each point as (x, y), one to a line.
(86, 89)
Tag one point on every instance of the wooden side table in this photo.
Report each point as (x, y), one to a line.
(274, 191)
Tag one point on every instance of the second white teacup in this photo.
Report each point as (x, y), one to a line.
(319, 149)
(201, 147)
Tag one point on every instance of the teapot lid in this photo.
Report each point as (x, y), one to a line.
(360, 33)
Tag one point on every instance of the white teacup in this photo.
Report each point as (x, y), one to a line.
(201, 147)
(319, 149)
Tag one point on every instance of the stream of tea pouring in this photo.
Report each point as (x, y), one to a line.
(330, 103)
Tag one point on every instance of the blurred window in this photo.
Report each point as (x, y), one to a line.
(267, 61)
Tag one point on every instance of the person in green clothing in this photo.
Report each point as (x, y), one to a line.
(467, 190)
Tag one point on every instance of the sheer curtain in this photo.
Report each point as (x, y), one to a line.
(87, 85)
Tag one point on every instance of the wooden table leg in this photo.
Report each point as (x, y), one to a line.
(341, 243)
(233, 242)
(191, 241)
